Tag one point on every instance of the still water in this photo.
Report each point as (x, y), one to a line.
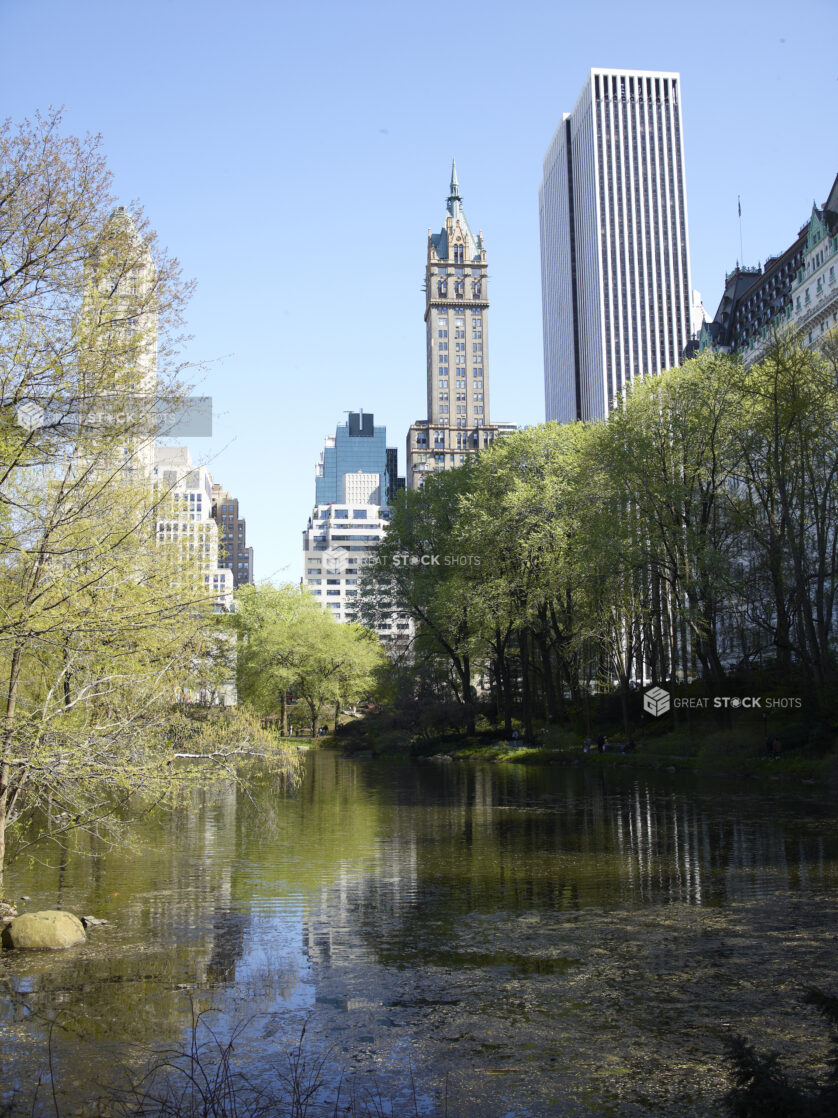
(460, 939)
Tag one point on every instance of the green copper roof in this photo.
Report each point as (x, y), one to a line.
(455, 208)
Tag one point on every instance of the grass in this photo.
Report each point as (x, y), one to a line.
(202, 1080)
(696, 746)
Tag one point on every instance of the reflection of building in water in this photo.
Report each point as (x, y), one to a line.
(481, 841)
(668, 853)
(332, 929)
(194, 912)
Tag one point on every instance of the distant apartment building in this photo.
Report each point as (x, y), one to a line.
(184, 520)
(457, 348)
(338, 543)
(796, 289)
(615, 261)
(235, 554)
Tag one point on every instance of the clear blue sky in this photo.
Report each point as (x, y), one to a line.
(293, 157)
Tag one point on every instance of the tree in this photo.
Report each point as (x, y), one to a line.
(289, 643)
(789, 474)
(671, 450)
(101, 629)
(423, 570)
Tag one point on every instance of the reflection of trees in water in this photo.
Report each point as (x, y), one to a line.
(182, 900)
(173, 930)
(381, 863)
(463, 839)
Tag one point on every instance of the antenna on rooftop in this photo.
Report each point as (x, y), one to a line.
(741, 253)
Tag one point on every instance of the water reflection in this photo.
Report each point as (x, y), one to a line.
(578, 935)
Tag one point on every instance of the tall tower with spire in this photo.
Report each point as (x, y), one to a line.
(456, 325)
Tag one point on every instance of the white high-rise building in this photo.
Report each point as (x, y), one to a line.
(615, 261)
(338, 543)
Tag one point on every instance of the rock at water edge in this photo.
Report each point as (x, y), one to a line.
(50, 930)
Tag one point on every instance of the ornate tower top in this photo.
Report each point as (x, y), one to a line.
(456, 231)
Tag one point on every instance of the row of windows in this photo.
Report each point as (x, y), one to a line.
(459, 321)
(459, 289)
(342, 514)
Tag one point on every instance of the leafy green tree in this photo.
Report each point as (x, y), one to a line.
(671, 449)
(519, 518)
(423, 571)
(789, 476)
(101, 629)
(289, 643)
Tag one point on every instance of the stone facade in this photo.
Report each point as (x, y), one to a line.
(457, 349)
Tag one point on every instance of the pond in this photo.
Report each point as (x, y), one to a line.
(452, 939)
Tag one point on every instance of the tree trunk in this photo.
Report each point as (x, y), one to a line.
(467, 696)
(4, 795)
(5, 747)
(68, 699)
(506, 693)
(547, 668)
(526, 704)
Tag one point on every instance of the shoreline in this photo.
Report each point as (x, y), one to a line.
(701, 759)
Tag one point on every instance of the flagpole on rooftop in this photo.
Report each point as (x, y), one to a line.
(739, 205)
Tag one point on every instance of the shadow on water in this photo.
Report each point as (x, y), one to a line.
(525, 941)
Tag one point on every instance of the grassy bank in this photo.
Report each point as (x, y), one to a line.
(738, 753)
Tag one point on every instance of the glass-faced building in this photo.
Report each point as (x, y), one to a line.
(355, 481)
(615, 261)
(357, 446)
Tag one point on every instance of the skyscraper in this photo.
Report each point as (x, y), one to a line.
(357, 445)
(615, 261)
(456, 323)
(354, 480)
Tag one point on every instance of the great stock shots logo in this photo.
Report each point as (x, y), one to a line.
(656, 701)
